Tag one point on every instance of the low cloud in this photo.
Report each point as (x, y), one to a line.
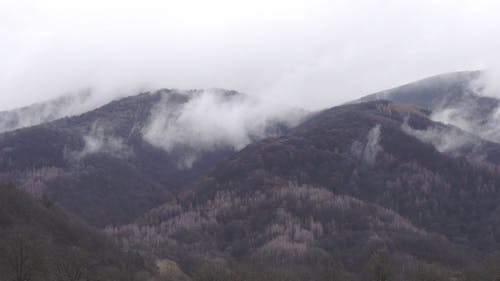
(466, 119)
(372, 145)
(479, 117)
(100, 140)
(488, 83)
(368, 150)
(212, 120)
(444, 139)
(48, 111)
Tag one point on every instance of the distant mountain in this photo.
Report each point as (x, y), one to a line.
(39, 241)
(454, 98)
(349, 182)
(112, 164)
(46, 111)
(434, 92)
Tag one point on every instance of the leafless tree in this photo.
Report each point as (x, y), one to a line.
(22, 254)
(71, 264)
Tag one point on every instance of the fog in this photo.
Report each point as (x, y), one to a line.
(366, 150)
(462, 117)
(444, 139)
(311, 54)
(473, 114)
(99, 139)
(48, 110)
(372, 145)
(214, 119)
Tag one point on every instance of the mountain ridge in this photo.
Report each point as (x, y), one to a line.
(305, 196)
(105, 152)
(392, 179)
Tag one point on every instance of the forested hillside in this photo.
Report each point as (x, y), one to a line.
(116, 162)
(355, 185)
(41, 242)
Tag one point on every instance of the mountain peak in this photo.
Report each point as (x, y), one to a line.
(432, 92)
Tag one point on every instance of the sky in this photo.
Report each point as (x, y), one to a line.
(311, 54)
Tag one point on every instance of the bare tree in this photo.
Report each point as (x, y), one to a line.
(22, 255)
(71, 264)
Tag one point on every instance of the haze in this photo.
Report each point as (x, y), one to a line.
(311, 54)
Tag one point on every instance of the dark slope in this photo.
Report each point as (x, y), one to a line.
(407, 174)
(98, 165)
(346, 183)
(40, 242)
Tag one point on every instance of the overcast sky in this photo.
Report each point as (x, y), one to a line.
(308, 53)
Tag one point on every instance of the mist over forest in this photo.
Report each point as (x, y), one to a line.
(249, 140)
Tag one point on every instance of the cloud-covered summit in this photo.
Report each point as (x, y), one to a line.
(47, 111)
(214, 119)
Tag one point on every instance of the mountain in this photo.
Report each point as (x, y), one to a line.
(112, 164)
(458, 98)
(434, 92)
(46, 111)
(359, 185)
(399, 185)
(41, 242)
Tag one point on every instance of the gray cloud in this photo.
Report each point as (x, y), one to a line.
(214, 119)
(461, 117)
(444, 139)
(47, 111)
(367, 150)
(100, 140)
(472, 117)
(311, 54)
(372, 147)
